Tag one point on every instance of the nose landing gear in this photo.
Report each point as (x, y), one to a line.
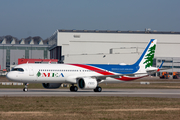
(25, 89)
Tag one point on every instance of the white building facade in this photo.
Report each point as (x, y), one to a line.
(112, 47)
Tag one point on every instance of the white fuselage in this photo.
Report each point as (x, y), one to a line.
(56, 73)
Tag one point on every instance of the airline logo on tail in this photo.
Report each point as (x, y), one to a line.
(150, 56)
(146, 59)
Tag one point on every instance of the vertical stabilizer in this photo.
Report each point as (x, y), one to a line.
(146, 59)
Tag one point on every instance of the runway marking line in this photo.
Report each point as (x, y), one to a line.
(22, 112)
(35, 113)
(133, 110)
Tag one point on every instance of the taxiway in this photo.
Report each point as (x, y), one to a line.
(165, 93)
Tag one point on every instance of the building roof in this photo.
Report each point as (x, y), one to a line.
(8, 40)
(46, 42)
(119, 31)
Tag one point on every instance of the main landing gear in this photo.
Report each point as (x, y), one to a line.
(98, 89)
(73, 88)
(25, 89)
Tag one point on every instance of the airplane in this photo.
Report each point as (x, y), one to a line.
(86, 76)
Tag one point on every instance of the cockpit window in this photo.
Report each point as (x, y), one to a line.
(18, 69)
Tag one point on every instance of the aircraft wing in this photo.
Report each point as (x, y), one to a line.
(103, 77)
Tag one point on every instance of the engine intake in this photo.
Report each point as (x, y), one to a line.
(87, 83)
(51, 85)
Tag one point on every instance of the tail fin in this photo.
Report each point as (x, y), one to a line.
(146, 59)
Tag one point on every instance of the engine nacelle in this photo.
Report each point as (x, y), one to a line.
(51, 85)
(87, 83)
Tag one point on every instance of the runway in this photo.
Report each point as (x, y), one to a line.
(161, 93)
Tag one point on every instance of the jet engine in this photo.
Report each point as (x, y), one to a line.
(51, 85)
(87, 83)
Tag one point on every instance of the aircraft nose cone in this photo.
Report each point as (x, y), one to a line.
(9, 76)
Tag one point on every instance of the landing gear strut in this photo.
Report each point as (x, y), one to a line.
(98, 89)
(25, 89)
(73, 88)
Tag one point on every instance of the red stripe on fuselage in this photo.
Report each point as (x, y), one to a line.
(100, 71)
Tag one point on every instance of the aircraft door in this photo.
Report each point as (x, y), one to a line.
(31, 71)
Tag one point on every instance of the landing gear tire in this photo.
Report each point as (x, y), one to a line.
(73, 88)
(98, 89)
(25, 89)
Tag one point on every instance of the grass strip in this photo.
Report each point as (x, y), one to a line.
(77, 108)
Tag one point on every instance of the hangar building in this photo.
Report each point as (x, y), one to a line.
(11, 49)
(114, 47)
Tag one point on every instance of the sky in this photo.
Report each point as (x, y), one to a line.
(24, 18)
